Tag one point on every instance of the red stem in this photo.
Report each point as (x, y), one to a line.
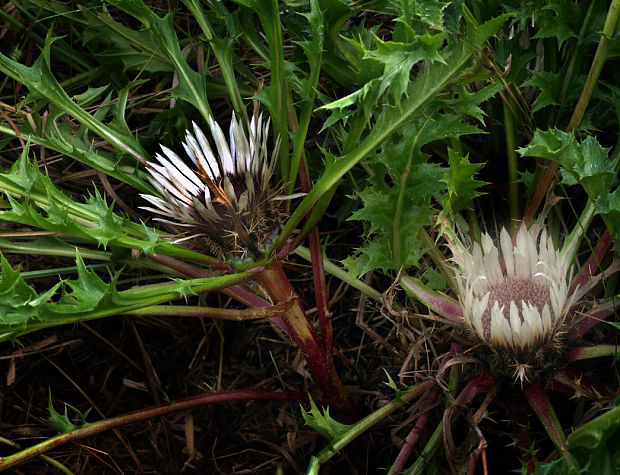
(274, 281)
(320, 292)
(481, 383)
(144, 414)
(235, 291)
(586, 324)
(416, 432)
(539, 192)
(318, 269)
(538, 400)
(593, 264)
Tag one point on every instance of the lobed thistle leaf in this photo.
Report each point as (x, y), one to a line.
(395, 214)
(35, 201)
(586, 163)
(61, 422)
(561, 20)
(399, 59)
(462, 187)
(23, 310)
(322, 422)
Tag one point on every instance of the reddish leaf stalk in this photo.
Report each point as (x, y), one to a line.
(594, 318)
(274, 281)
(414, 435)
(320, 292)
(149, 413)
(481, 383)
(235, 291)
(593, 264)
(538, 400)
(318, 269)
(441, 304)
(587, 352)
(540, 192)
(209, 312)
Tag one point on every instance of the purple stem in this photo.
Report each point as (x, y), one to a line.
(414, 435)
(481, 383)
(248, 298)
(587, 352)
(441, 304)
(538, 400)
(586, 324)
(235, 291)
(593, 264)
(274, 281)
(320, 292)
(318, 270)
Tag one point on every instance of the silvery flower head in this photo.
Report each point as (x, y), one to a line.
(225, 200)
(516, 301)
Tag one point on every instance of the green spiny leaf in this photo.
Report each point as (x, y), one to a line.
(322, 422)
(39, 79)
(61, 422)
(191, 86)
(550, 86)
(560, 19)
(469, 102)
(461, 184)
(87, 291)
(399, 58)
(587, 162)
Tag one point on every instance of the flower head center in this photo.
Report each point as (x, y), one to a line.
(517, 290)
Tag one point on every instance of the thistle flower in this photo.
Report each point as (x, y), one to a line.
(516, 304)
(225, 202)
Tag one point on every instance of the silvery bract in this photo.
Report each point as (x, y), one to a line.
(226, 203)
(517, 301)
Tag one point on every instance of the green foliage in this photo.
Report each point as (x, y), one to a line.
(597, 442)
(550, 87)
(61, 422)
(40, 80)
(321, 421)
(401, 104)
(191, 87)
(416, 112)
(36, 201)
(23, 310)
(595, 446)
(400, 203)
(462, 187)
(560, 20)
(586, 163)
(399, 58)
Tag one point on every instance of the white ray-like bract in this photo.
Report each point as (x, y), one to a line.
(226, 192)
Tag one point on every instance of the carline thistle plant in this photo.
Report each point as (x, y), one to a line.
(227, 205)
(517, 301)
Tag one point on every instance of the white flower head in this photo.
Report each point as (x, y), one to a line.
(516, 301)
(224, 197)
